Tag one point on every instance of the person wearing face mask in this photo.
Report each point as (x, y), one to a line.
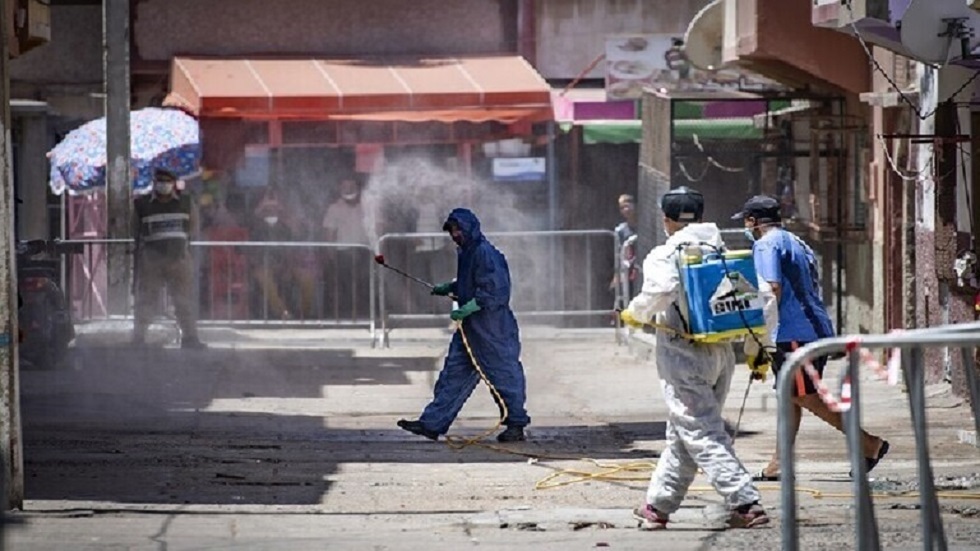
(790, 267)
(347, 274)
(482, 286)
(271, 266)
(695, 378)
(163, 222)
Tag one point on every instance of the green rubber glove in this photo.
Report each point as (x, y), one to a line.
(465, 310)
(443, 289)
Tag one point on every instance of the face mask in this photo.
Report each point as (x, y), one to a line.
(271, 220)
(163, 188)
(349, 196)
(750, 234)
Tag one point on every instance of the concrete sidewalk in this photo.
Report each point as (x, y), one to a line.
(280, 439)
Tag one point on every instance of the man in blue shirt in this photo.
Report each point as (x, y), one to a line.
(790, 267)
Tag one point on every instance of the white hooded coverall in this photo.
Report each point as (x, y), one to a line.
(695, 379)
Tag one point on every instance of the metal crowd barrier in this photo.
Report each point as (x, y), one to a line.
(541, 286)
(85, 278)
(966, 337)
(298, 283)
(244, 282)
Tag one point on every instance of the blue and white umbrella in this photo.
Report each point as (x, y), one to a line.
(159, 138)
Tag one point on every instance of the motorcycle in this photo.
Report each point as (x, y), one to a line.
(45, 320)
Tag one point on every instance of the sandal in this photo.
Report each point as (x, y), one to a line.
(763, 477)
(872, 462)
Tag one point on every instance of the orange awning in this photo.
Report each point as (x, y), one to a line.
(474, 89)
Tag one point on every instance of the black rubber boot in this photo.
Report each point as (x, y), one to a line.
(415, 427)
(512, 434)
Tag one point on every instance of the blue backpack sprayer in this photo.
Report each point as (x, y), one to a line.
(720, 296)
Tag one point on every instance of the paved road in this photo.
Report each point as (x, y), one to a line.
(286, 439)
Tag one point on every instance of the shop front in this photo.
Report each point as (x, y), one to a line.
(305, 124)
(340, 153)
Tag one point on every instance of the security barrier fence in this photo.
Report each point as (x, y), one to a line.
(557, 277)
(910, 346)
(236, 282)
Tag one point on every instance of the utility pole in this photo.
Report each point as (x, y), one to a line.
(12, 477)
(119, 185)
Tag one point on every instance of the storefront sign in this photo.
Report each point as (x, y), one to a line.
(254, 168)
(635, 61)
(519, 169)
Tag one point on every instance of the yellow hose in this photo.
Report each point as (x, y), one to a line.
(625, 472)
(456, 442)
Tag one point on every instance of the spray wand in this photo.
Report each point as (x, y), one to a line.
(380, 259)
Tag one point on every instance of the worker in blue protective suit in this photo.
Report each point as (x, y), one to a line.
(482, 289)
(695, 378)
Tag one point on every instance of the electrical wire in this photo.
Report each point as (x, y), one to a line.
(906, 176)
(687, 175)
(877, 67)
(711, 160)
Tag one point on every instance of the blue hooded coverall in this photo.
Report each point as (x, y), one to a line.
(481, 274)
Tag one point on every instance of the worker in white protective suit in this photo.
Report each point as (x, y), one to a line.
(695, 378)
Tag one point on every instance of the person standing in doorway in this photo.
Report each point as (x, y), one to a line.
(346, 277)
(163, 222)
(624, 231)
(789, 266)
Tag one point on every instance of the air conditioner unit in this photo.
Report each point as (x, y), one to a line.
(837, 14)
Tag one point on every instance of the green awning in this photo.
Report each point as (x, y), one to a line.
(613, 132)
(741, 128)
(620, 132)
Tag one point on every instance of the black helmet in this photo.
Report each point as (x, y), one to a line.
(683, 204)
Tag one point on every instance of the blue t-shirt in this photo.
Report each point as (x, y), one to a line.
(783, 258)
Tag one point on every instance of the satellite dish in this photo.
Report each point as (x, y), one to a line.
(940, 31)
(705, 36)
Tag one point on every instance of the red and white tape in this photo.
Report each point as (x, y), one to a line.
(888, 373)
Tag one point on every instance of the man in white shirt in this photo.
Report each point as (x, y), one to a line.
(344, 220)
(346, 278)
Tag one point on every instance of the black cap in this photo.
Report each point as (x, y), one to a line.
(760, 207)
(163, 174)
(683, 204)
